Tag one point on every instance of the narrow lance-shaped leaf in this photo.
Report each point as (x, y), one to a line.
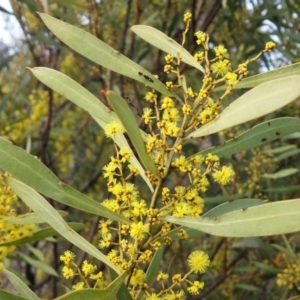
(31, 171)
(258, 102)
(20, 286)
(39, 265)
(281, 173)
(227, 207)
(76, 93)
(129, 122)
(9, 296)
(42, 207)
(262, 133)
(30, 218)
(255, 80)
(41, 234)
(165, 43)
(99, 52)
(263, 220)
(73, 91)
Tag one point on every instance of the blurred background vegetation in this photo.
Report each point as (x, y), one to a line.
(72, 145)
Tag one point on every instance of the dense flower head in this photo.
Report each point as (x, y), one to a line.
(87, 268)
(195, 287)
(221, 52)
(270, 46)
(201, 37)
(139, 230)
(187, 17)
(67, 257)
(198, 261)
(113, 128)
(224, 176)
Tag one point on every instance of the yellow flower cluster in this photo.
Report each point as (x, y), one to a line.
(9, 231)
(290, 276)
(86, 273)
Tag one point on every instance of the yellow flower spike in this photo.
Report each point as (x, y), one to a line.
(198, 261)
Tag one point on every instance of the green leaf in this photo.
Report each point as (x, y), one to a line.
(221, 199)
(258, 102)
(31, 171)
(288, 154)
(154, 265)
(281, 149)
(263, 220)
(101, 53)
(42, 207)
(70, 89)
(166, 44)
(250, 242)
(232, 206)
(9, 296)
(108, 293)
(129, 122)
(20, 286)
(264, 267)
(30, 218)
(39, 265)
(281, 173)
(283, 189)
(80, 96)
(255, 80)
(152, 269)
(42, 235)
(265, 132)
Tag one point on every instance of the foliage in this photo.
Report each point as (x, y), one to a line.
(157, 162)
